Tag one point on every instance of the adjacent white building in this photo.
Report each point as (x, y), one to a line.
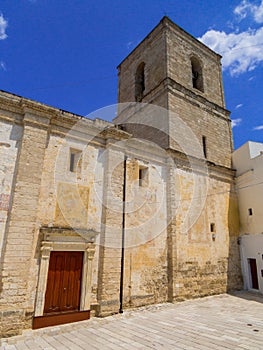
(248, 161)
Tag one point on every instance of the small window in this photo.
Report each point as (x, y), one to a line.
(250, 211)
(212, 227)
(204, 146)
(75, 160)
(197, 75)
(143, 176)
(139, 82)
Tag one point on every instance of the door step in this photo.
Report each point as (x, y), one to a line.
(57, 319)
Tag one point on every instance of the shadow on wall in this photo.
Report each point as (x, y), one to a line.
(234, 273)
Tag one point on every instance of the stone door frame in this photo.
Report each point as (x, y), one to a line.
(59, 239)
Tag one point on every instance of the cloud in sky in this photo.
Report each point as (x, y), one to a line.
(3, 65)
(246, 7)
(236, 122)
(3, 26)
(241, 51)
(260, 127)
(239, 105)
(129, 45)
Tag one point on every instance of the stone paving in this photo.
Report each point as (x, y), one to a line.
(217, 322)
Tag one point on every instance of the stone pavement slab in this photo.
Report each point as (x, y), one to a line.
(217, 322)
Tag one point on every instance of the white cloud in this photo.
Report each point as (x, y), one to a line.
(3, 65)
(3, 26)
(129, 45)
(239, 105)
(260, 127)
(246, 7)
(236, 122)
(241, 52)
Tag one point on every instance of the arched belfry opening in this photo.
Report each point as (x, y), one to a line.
(139, 82)
(197, 74)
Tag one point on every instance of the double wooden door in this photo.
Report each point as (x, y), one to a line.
(64, 282)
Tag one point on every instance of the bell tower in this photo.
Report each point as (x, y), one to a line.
(172, 69)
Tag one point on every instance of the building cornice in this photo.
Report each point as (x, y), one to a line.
(188, 95)
(201, 166)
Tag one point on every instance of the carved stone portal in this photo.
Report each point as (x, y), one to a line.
(66, 239)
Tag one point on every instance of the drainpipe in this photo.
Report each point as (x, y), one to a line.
(123, 233)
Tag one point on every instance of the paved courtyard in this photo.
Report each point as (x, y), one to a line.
(218, 322)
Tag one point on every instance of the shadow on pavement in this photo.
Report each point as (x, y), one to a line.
(253, 296)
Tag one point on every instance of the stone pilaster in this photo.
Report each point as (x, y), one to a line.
(111, 235)
(16, 291)
(171, 228)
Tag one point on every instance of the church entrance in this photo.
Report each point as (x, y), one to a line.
(63, 292)
(65, 273)
(64, 282)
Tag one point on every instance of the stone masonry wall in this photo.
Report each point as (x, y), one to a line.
(203, 256)
(180, 48)
(145, 280)
(111, 233)
(199, 121)
(10, 136)
(16, 287)
(59, 186)
(155, 68)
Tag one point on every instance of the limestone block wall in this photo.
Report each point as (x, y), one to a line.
(111, 232)
(167, 53)
(198, 121)
(235, 279)
(72, 199)
(181, 46)
(10, 138)
(205, 238)
(17, 300)
(145, 278)
(152, 52)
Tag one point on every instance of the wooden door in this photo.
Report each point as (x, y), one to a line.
(64, 282)
(254, 273)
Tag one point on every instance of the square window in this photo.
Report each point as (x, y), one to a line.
(74, 160)
(143, 176)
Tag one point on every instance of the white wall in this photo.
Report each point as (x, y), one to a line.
(252, 247)
(248, 162)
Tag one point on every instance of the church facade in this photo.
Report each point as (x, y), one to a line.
(99, 216)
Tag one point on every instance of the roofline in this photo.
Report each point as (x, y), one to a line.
(162, 21)
(42, 104)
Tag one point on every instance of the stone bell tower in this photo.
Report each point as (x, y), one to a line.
(172, 69)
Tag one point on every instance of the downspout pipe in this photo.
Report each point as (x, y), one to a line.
(123, 233)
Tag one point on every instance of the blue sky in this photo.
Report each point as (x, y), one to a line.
(65, 53)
